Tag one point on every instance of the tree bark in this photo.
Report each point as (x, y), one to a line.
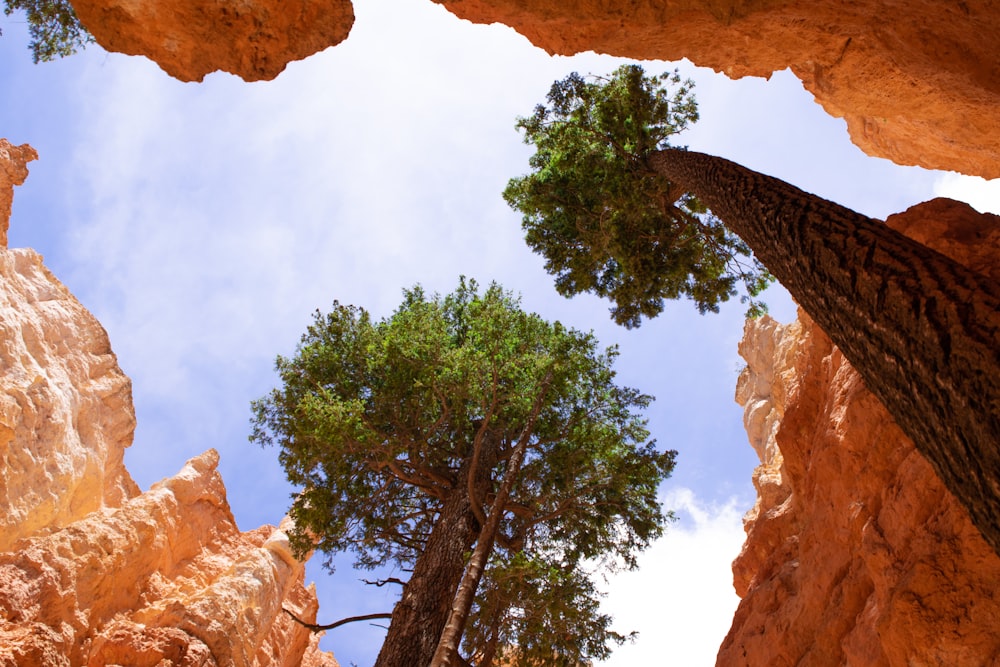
(422, 611)
(451, 638)
(446, 654)
(922, 330)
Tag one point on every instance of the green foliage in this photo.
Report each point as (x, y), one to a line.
(55, 30)
(604, 219)
(376, 419)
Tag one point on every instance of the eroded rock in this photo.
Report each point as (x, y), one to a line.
(66, 412)
(855, 551)
(165, 577)
(13, 170)
(253, 39)
(917, 82)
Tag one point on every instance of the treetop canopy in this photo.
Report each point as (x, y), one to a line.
(382, 424)
(604, 219)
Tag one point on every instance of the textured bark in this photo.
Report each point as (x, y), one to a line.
(922, 330)
(446, 654)
(421, 613)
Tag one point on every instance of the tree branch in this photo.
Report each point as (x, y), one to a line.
(344, 621)
(382, 582)
(477, 445)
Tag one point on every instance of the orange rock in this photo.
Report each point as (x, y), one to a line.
(918, 82)
(66, 412)
(955, 229)
(165, 577)
(13, 170)
(855, 553)
(253, 39)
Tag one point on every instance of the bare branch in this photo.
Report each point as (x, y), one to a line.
(382, 582)
(344, 621)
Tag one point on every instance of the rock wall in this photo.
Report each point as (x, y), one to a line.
(856, 554)
(165, 577)
(253, 39)
(93, 572)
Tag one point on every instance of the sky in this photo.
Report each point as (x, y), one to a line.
(204, 223)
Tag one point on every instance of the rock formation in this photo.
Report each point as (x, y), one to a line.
(13, 170)
(92, 572)
(253, 39)
(855, 552)
(66, 412)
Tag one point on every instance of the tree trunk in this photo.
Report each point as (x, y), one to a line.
(451, 637)
(422, 611)
(922, 330)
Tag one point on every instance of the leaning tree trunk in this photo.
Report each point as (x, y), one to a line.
(922, 330)
(422, 611)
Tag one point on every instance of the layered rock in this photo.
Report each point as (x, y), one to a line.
(165, 577)
(855, 552)
(93, 572)
(917, 82)
(66, 412)
(253, 39)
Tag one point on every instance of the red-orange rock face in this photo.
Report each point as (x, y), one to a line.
(917, 81)
(253, 39)
(855, 554)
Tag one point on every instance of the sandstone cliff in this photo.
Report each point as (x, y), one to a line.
(855, 553)
(93, 572)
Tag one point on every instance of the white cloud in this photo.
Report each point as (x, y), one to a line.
(981, 194)
(681, 599)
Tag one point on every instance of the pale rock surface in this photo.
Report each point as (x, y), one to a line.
(166, 579)
(93, 572)
(917, 81)
(66, 412)
(253, 39)
(856, 554)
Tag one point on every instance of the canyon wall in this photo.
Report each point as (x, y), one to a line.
(856, 554)
(93, 572)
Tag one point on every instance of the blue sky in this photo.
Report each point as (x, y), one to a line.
(204, 223)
